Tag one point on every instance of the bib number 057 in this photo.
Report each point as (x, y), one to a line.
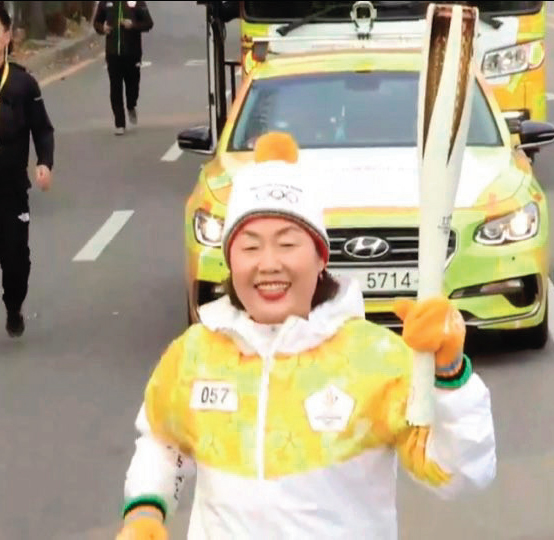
(214, 396)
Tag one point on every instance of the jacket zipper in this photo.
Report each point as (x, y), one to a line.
(5, 73)
(262, 416)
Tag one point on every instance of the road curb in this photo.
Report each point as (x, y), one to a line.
(63, 52)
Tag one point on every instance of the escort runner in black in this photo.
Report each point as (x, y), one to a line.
(22, 113)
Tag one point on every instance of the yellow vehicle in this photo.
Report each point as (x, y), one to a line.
(354, 115)
(511, 39)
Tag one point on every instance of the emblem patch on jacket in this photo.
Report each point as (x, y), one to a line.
(329, 409)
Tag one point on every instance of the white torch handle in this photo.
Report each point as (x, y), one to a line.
(444, 106)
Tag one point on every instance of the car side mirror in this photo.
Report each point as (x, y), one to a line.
(196, 139)
(535, 134)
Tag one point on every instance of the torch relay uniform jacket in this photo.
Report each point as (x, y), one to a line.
(295, 429)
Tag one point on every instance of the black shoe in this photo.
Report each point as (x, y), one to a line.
(15, 325)
(133, 116)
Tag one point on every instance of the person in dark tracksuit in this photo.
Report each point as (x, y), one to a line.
(22, 113)
(123, 24)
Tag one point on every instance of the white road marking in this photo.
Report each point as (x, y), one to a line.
(173, 154)
(145, 64)
(550, 308)
(94, 247)
(549, 96)
(66, 72)
(195, 62)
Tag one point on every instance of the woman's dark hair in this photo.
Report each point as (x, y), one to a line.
(326, 289)
(6, 22)
(5, 19)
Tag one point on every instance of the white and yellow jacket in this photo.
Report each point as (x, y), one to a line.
(295, 429)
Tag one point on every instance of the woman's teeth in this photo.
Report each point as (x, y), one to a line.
(272, 287)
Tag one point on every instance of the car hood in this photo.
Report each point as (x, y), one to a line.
(387, 177)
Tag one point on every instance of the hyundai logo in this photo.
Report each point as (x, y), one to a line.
(366, 247)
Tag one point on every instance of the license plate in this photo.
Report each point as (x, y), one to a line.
(392, 280)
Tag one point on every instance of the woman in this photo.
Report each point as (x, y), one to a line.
(290, 403)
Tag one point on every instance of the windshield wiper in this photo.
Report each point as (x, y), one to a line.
(390, 4)
(410, 7)
(289, 27)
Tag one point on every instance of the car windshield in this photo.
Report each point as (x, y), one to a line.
(346, 109)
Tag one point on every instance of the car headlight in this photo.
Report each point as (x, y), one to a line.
(519, 225)
(208, 229)
(513, 59)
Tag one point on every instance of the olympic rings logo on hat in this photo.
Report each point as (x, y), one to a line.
(278, 193)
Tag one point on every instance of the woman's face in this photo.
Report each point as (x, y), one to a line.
(274, 268)
(5, 37)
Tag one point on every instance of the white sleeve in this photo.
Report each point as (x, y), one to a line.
(461, 439)
(157, 469)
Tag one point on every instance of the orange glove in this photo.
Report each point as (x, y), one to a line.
(434, 325)
(143, 523)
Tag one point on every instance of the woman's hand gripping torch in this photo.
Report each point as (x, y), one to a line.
(444, 105)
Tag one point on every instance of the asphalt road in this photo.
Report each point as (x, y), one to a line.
(70, 389)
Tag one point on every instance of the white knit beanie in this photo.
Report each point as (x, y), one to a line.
(275, 185)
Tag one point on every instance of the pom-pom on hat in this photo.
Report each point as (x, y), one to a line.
(275, 185)
(276, 146)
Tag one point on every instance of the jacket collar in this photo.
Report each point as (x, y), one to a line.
(295, 334)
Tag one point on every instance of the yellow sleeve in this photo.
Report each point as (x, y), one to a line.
(411, 442)
(457, 452)
(411, 447)
(158, 396)
(387, 411)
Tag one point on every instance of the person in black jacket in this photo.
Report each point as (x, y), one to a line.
(22, 113)
(122, 23)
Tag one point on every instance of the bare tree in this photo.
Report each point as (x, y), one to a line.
(37, 20)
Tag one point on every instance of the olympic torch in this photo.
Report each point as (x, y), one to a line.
(444, 106)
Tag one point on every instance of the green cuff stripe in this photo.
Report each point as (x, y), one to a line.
(459, 380)
(152, 500)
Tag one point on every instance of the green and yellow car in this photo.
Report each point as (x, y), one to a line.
(354, 115)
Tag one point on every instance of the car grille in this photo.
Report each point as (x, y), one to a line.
(403, 244)
(384, 319)
(392, 321)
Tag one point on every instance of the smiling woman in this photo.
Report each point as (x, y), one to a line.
(274, 239)
(283, 395)
(275, 267)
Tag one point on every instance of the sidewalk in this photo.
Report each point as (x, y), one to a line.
(45, 56)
